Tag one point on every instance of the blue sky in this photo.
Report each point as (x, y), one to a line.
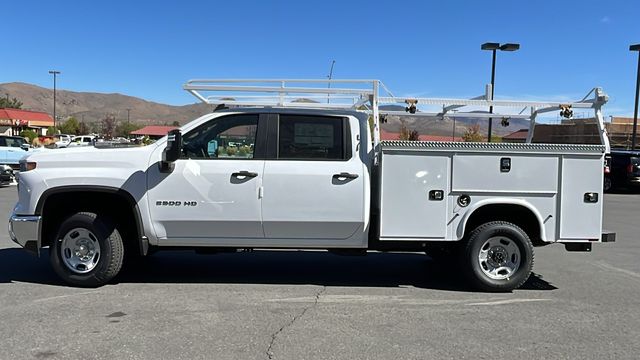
(428, 48)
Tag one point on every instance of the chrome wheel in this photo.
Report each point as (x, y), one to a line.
(499, 258)
(80, 250)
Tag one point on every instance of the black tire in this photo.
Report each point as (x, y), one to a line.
(472, 263)
(111, 256)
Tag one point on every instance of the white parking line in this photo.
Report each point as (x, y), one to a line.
(606, 266)
(64, 296)
(508, 301)
(401, 300)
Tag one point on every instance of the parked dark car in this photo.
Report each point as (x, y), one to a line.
(6, 175)
(624, 169)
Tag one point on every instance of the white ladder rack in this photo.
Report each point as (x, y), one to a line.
(364, 95)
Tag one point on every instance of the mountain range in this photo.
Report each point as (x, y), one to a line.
(92, 107)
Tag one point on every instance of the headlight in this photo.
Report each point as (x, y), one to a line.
(27, 165)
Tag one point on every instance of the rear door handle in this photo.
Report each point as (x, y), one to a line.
(345, 175)
(244, 173)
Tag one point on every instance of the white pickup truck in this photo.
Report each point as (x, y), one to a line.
(275, 172)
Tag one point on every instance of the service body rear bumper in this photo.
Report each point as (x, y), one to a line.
(24, 230)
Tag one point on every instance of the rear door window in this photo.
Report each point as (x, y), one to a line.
(303, 137)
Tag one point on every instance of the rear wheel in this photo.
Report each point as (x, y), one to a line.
(498, 257)
(87, 250)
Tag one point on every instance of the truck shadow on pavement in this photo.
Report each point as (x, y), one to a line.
(267, 267)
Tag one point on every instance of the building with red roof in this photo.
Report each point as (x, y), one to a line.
(519, 136)
(386, 135)
(153, 131)
(13, 121)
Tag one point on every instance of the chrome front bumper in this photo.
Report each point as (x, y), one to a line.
(24, 230)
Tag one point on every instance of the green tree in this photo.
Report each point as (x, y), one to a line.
(175, 123)
(125, 129)
(473, 134)
(10, 104)
(52, 130)
(29, 134)
(71, 126)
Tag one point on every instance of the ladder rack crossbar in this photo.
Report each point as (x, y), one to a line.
(480, 115)
(273, 89)
(363, 95)
(483, 103)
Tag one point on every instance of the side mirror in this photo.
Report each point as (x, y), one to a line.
(172, 152)
(25, 147)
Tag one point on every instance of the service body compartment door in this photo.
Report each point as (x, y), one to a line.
(414, 192)
(580, 214)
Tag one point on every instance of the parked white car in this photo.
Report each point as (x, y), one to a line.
(63, 140)
(82, 140)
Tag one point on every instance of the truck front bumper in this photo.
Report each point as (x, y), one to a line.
(24, 230)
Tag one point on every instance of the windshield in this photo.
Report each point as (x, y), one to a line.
(13, 141)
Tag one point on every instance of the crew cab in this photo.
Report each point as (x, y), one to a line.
(295, 176)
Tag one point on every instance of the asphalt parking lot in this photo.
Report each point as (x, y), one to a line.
(312, 305)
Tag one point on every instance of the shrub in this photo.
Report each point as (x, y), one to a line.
(30, 134)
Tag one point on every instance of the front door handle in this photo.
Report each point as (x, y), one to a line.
(345, 175)
(245, 174)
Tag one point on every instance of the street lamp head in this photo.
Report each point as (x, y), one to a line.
(635, 47)
(509, 47)
(490, 46)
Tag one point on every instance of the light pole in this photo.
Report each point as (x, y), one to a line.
(55, 73)
(494, 47)
(636, 47)
(128, 110)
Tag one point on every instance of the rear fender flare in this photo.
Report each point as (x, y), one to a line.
(460, 231)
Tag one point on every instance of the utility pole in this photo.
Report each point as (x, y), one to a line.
(333, 62)
(55, 73)
(128, 110)
(635, 111)
(453, 133)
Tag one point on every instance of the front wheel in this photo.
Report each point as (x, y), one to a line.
(87, 250)
(498, 257)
